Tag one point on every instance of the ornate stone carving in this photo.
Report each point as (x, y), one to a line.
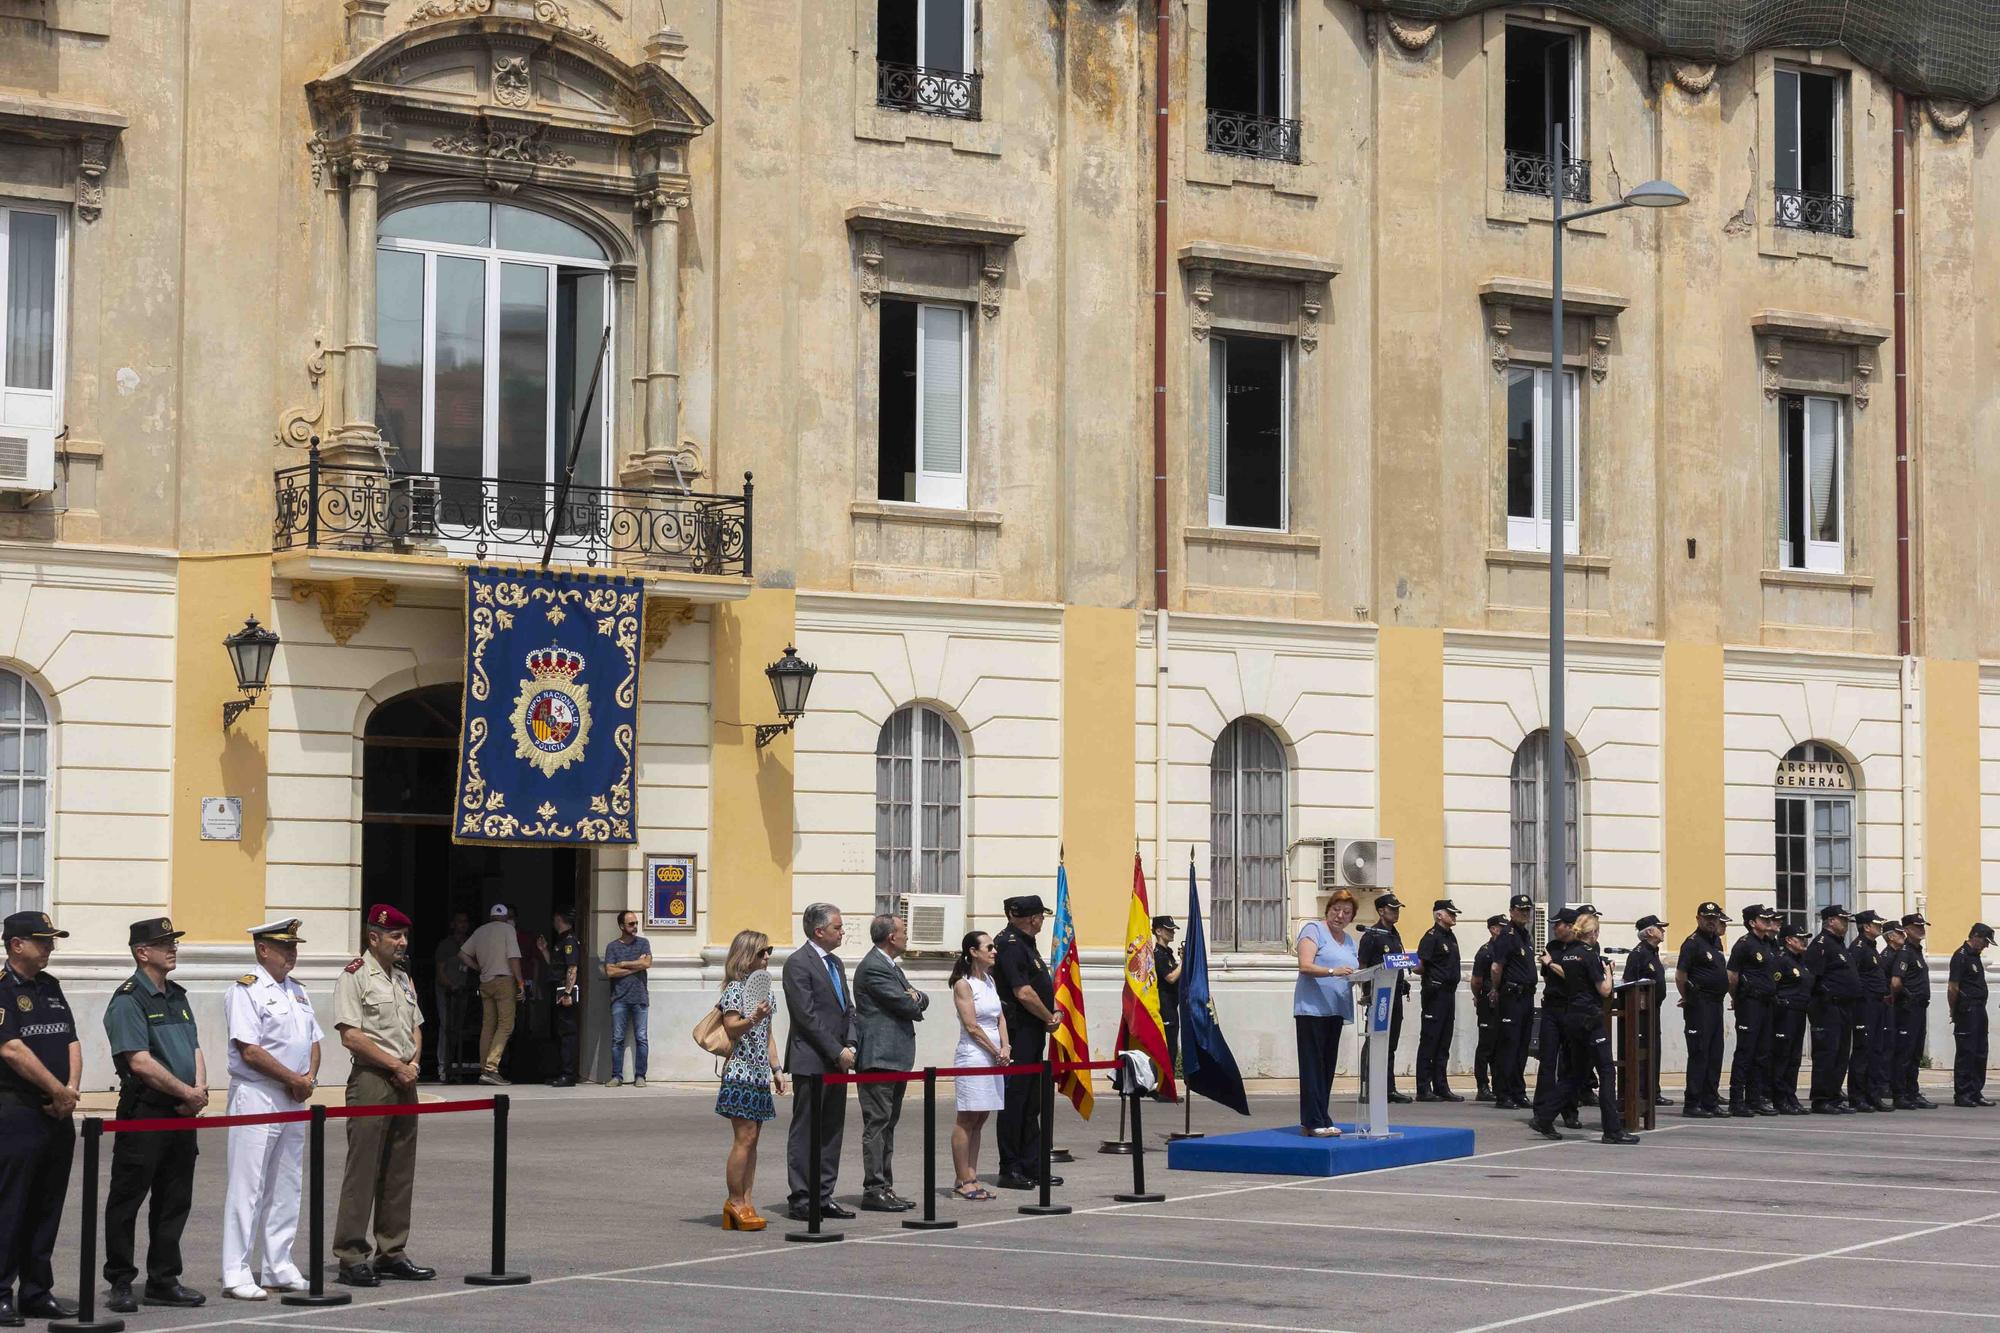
(1499, 328)
(511, 83)
(316, 150)
(344, 604)
(505, 146)
(655, 205)
(1864, 371)
(1201, 286)
(1692, 77)
(1774, 360)
(1948, 117)
(1600, 349)
(1309, 308)
(1411, 36)
(991, 271)
(871, 267)
(433, 10)
(297, 429)
(558, 16)
(368, 165)
(662, 614)
(93, 157)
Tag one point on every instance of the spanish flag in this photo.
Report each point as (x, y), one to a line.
(1071, 1041)
(1139, 1025)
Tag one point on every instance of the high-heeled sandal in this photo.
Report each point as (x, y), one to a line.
(740, 1219)
(977, 1193)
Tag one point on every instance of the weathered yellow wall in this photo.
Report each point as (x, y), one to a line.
(1409, 744)
(750, 795)
(1692, 866)
(1099, 816)
(218, 887)
(1951, 800)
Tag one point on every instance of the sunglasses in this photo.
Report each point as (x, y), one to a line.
(764, 952)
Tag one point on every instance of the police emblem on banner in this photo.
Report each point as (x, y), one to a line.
(551, 708)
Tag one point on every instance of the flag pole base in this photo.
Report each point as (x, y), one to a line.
(1115, 1147)
(813, 1237)
(1061, 1155)
(1044, 1209)
(320, 1301)
(1140, 1198)
(1177, 1136)
(930, 1224)
(497, 1279)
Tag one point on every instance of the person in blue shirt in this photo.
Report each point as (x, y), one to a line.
(1322, 1003)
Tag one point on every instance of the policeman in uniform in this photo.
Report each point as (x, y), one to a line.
(376, 1013)
(1378, 942)
(1836, 997)
(1643, 964)
(1552, 1090)
(1581, 984)
(1512, 983)
(564, 955)
(1966, 994)
(1793, 996)
(1701, 975)
(1480, 984)
(41, 1068)
(1912, 981)
(1752, 989)
(1437, 956)
(162, 1075)
(1028, 1003)
(1874, 1020)
(273, 1067)
(1167, 970)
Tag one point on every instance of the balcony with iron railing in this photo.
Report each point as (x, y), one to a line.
(1535, 173)
(356, 510)
(927, 91)
(1247, 134)
(1827, 214)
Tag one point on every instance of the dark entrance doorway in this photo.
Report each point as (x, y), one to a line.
(408, 860)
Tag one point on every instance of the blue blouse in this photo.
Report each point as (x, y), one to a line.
(1325, 997)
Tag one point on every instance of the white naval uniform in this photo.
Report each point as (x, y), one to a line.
(265, 1160)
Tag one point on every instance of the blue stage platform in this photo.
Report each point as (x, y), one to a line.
(1292, 1152)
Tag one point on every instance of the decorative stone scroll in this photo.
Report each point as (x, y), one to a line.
(1949, 118)
(986, 238)
(344, 604)
(1780, 333)
(1411, 35)
(1203, 262)
(1502, 297)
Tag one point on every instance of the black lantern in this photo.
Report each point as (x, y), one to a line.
(791, 681)
(250, 652)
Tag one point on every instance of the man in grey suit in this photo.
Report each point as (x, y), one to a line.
(888, 1009)
(821, 1041)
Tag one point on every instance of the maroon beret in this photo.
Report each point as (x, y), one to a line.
(385, 917)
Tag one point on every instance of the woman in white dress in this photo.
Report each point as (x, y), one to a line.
(982, 1044)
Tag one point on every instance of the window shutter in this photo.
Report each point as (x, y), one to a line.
(1788, 445)
(1785, 121)
(941, 406)
(31, 274)
(1218, 432)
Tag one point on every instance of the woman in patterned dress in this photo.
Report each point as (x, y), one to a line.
(747, 1079)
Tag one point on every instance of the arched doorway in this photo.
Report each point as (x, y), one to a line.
(408, 860)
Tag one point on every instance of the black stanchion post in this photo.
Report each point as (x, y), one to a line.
(499, 1276)
(1186, 1131)
(813, 1086)
(316, 1292)
(1114, 1147)
(930, 1220)
(1138, 1194)
(86, 1320)
(1045, 1208)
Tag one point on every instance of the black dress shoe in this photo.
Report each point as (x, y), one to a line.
(1621, 1139)
(1400, 1098)
(881, 1203)
(1924, 1103)
(119, 1299)
(1742, 1112)
(48, 1307)
(1054, 1181)
(1965, 1102)
(1483, 1095)
(358, 1275)
(1663, 1101)
(174, 1294)
(1429, 1097)
(1905, 1104)
(1545, 1129)
(8, 1316)
(903, 1205)
(1764, 1108)
(1693, 1113)
(1882, 1105)
(564, 1082)
(400, 1269)
(837, 1211)
(1447, 1095)
(1571, 1120)
(1007, 1182)
(1984, 1100)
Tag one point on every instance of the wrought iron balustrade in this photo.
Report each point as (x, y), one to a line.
(1532, 173)
(321, 506)
(1828, 214)
(932, 92)
(1246, 134)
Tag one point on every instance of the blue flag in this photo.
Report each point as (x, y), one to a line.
(1207, 1067)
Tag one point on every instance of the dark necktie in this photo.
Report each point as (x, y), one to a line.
(833, 970)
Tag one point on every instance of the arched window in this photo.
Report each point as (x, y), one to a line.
(24, 795)
(919, 824)
(1530, 805)
(1813, 834)
(489, 318)
(1246, 842)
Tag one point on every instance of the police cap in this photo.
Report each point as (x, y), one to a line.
(282, 931)
(1388, 900)
(1497, 920)
(1915, 919)
(1567, 917)
(1028, 904)
(32, 926)
(1832, 910)
(1754, 912)
(1445, 905)
(1979, 928)
(153, 930)
(1711, 910)
(1164, 923)
(1791, 931)
(1867, 917)
(1648, 922)
(1520, 902)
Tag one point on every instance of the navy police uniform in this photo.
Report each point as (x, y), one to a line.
(1585, 1041)
(1874, 1022)
(1750, 963)
(1793, 982)
(1643, 964)
(565, 954)
(1512, 953)
(1968, 1021)
(1836, 997)
(1483, 1014)
(36, 1147)
(1913, 1010)
(1018, 962)
(1378, 942)
(1705, 976)
(1437, 954)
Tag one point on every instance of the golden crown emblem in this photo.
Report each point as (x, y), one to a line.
(555, 664)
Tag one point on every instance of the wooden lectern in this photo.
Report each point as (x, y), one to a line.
(1636, 1043)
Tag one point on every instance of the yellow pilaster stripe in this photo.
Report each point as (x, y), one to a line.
(1951, 801)
(1099, 819)
(750, 790)
(1692, 854)
(1409, 745)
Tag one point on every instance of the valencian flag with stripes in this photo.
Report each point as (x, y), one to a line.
(1139, 1025)
(1071, 1040)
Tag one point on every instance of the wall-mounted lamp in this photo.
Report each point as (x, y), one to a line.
(250, 652)
(791, 681)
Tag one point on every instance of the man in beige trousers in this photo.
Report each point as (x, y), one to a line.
(494, 952)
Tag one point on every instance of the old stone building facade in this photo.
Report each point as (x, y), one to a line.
(301, 296)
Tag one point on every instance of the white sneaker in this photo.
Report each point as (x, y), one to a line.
(638, 1082)
(295, 1282)
(614, 1082)
(246, 1291)
(1327, 1132)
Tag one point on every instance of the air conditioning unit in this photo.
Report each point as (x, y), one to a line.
(1357, 863)
(27, 459)
(410, 513)
(935, 921)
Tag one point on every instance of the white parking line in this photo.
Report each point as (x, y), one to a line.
(1763, 1129)
(1748, 1180)
(1853, 1155)
(1639, 1207)
(1817, 1305)
(1432, 1233)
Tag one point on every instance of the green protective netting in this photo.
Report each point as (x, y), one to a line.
(1933, 48)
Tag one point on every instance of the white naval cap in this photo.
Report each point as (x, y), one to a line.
(285, 930)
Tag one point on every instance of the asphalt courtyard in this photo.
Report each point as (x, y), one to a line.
(1843, 1223)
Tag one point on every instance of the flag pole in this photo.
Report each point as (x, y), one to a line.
(1186, 1131)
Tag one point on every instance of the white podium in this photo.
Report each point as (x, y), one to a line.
(1377, 986)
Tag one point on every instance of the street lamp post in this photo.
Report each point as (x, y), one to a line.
(1651, 194)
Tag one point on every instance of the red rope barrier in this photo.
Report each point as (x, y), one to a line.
(968, 1071)
(293, 1117)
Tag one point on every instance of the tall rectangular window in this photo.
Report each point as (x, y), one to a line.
(1807, 129)
(919, 807)
(1812, 483)
(1250, 101)
(32, 264)
(926, 57)
(1249, 415)
(1544, 95)
(921, 450)
(1529, 430)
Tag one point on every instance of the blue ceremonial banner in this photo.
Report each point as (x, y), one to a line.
(551, 708)
(1207, 1064)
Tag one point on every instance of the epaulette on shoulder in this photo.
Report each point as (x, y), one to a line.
(126, 989)
(247, 979)
(354, 966)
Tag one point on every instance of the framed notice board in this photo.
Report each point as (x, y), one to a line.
(670, 891)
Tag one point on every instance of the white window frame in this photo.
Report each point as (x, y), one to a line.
(1218, 431)
(1531, 532)
(1527, 821)
(1228, 861)
(12, 678)
(34, 417)
(1819, 556)
(925, 773)
(1786, 78)
(1840, 881)
(1573, 148)
(942, 488)
(966, 65)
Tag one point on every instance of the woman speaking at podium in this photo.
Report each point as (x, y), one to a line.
(1322, 1002)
